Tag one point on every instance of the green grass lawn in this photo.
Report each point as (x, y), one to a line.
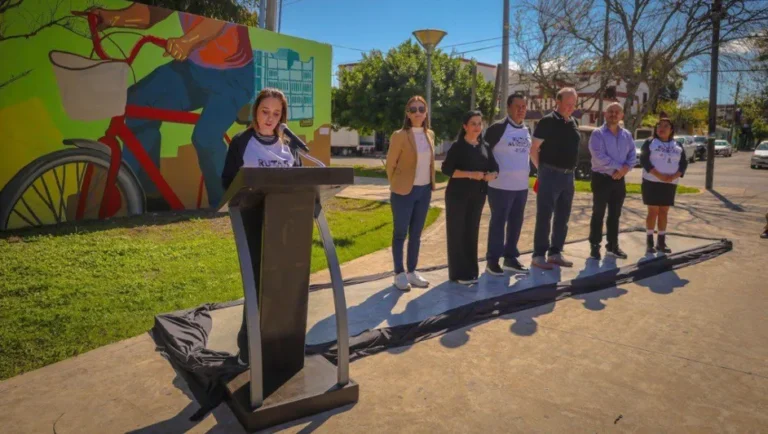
(68, 290)
(581, 186)
(380, 172)
(586, 187)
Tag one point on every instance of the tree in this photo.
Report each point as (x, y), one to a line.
(649, 39)
(372, 95)
(236, 11)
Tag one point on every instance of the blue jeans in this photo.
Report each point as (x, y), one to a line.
(409, 213)
(186, 86)
(507, 209)
(555, 196)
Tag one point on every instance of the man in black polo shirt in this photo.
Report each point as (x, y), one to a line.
(554, 153)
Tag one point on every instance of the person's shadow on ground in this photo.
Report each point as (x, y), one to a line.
(595, 301)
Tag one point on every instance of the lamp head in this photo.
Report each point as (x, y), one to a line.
(429, 38)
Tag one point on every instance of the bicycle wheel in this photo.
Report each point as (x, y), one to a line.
(64, 186)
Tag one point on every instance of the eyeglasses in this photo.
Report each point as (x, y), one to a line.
(420, 109)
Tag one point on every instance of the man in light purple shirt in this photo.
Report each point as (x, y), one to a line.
(613, 156)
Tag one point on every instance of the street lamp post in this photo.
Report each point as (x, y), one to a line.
(429, 38)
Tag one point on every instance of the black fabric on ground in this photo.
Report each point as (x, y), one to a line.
(182, 337)
(374, 341)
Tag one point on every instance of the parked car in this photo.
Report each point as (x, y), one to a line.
(701, 147)
(688, 146)
(760, 156)
(723, 148)
(639, 148)
(584, 162)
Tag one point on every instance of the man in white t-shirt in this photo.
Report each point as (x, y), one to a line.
(510, 142)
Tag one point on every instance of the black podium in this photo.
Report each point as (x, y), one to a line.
(272, 210)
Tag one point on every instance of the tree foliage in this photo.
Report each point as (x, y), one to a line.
(372, 95)
(649, 40)
(236, 11)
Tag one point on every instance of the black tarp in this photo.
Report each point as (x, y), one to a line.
(182, 336)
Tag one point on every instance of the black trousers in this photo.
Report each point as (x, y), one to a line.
(606, 193)
(463, 209)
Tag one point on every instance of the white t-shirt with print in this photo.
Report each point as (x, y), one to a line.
(259, 154)
(423, 157)
(512, 154)
(665, 158)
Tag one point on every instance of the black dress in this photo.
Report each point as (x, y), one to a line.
(464, 202)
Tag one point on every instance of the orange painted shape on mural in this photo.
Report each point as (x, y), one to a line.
(183, 174)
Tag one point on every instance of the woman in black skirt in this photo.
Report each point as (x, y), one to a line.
(471, 165)
(664, 163)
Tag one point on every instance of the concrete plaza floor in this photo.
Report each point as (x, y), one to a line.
(686, 351)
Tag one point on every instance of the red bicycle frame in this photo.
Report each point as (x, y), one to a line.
(110, 203)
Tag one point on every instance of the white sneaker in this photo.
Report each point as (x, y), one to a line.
(416, 280)
(467, 282)
(401, 282)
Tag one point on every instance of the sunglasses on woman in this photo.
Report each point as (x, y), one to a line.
(420, 109)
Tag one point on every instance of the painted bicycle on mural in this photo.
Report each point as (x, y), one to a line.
(212, 70)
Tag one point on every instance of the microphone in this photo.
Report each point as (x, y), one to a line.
(283, 128)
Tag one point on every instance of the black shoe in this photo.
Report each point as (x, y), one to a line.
(649, 244)
(594, 252)
(764, 235)
(512, 264)
(494, 269)
(661, 245)
(617, 252)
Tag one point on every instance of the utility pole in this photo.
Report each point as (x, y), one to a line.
(472, 101)
(602, 68)
(263, 14)
(280, 18)
(496, 101)
(735, 107)
(505, 58)
(716, 15)
(272, 15)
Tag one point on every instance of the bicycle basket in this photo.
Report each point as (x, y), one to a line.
(90, 89)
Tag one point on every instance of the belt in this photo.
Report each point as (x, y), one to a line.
(557, 169)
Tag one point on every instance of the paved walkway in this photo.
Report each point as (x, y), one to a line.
(690, 355)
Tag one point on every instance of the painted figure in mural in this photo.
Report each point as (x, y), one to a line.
(212, 69)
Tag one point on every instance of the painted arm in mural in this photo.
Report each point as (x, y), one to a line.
(140, 16)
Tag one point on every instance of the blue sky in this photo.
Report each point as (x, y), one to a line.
(376, 24)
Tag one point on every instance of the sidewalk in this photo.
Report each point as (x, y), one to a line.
(692, 356)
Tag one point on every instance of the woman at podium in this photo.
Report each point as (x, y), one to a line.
(411, 174)
(260, 145)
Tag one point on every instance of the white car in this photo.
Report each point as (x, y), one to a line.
(638, 150)
(723, 148)
(689, 146)
(760, 157)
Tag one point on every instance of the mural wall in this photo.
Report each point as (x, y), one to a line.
(128, 108)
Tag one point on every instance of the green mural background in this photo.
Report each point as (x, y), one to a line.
(33, 121)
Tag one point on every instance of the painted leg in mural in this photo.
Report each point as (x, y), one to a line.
(225, 92)
(165, 88)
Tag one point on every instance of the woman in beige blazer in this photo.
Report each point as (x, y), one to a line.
(411, 173)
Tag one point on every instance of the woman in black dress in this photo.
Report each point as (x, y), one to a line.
(664, 163)
(471, 165)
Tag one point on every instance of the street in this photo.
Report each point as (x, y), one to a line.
(733, 172)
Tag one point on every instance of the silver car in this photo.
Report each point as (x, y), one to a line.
(723, 148)
(639, 148)
(760, 157)
(689, 146)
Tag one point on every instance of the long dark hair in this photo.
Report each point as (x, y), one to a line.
(465, 120)
(407, 121)
(271, 92)
(664, 118)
